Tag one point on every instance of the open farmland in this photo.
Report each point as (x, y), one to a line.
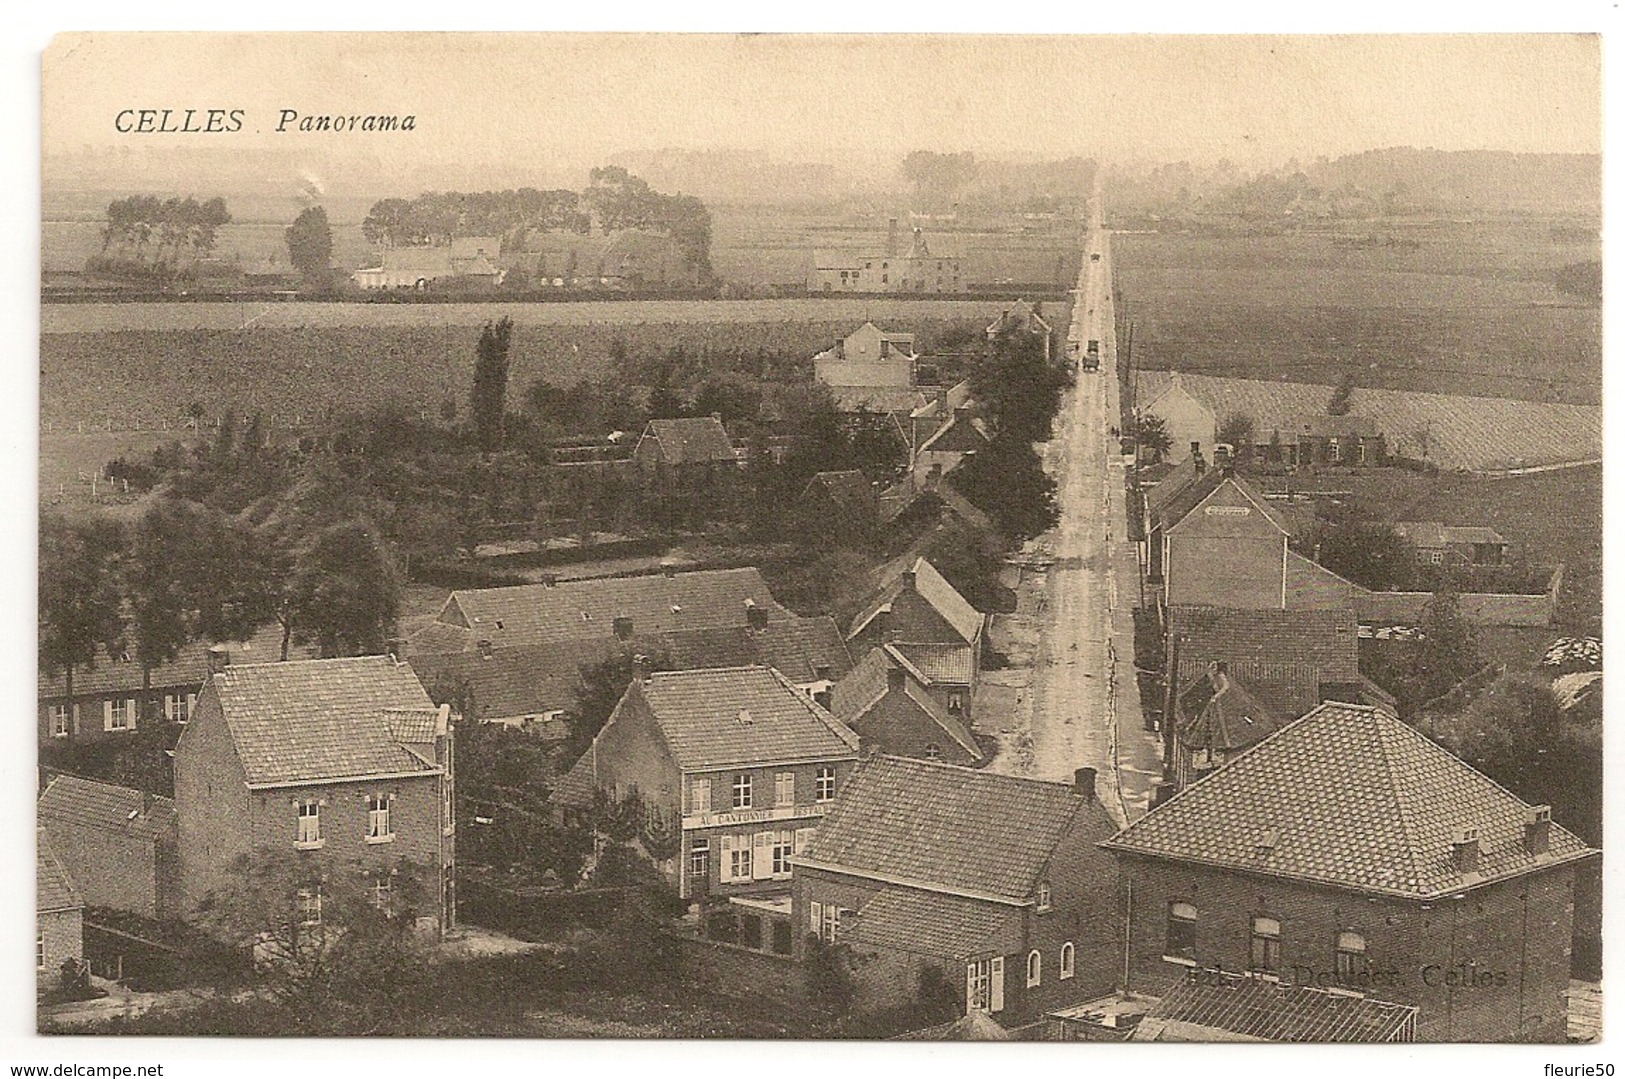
(115, 364)
(1445, 430)
(1468, 307)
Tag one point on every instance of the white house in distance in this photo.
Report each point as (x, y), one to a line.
(472, 258)
(868, 356)
(1190, 423)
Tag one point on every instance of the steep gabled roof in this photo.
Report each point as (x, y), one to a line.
(1208, 485)
(738, 715)
(124, 810)
(930, 923)
(1347, 797)
(53, 890)
(536, 614)
(1428, 534)
(1166, 489)
(320, 719)
(961, 432)
(1222, 713)
(936, 591)
(939, 827)
(189, 668)
(692, 440)
(854, 696)
(933, 663)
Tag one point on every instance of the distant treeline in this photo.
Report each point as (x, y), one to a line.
(152, 238)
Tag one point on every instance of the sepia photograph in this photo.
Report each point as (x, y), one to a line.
(874, 537)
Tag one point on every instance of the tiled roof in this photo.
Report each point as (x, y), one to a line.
(587, 609)
(945, 828)
(1022, 314)
(1350, 797)
(1322, 426)
(1172, 483)
(1221, 712)
(1430, 534)
(853, 696)
(1327, 641)
(935, 590)
(877, 398)
(961, 432)
(1312, 587)
(956, 396)
(53, 891)
(188, 669)
(736, 715)
(86, 802)
(950, 663)
(933, 924)
(320, 718)
(1286, 689)
(692, 440)
(1255, 1009)
(412, 726)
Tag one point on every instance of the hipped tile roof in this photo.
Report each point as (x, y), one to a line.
(320, 719)
(944, 828)
(739, 715)
(1349, 797)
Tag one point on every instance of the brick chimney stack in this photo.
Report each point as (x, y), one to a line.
(1464, 850)
(218, 660)
(894, 678)
(1537, 829)
(640, 668)
(1083, 781)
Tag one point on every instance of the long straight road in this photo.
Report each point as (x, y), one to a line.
(1086, 706)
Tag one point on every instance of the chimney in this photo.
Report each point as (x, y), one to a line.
(882, 623)
(1197, 458)
(1464, 850)
(218, 660)
(623, 627)
(755, 617)
(942, 400)
(894, 678)
(1083, 781)
(146, 803)
(891, 238)
(1537, 829)
(908, 580)
(1218, 677)
(395, 648)
(640, 669)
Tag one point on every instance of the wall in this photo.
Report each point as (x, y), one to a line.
(1513, 935)
(897, 725)
(112, 869)
(63, 931)
(1186, 420)
(211, 802)
(1233, 556)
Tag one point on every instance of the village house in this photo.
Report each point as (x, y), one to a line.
(1332, 440)
(467, 260)
(345, 763)
(1022, 317)
(1349, 852)
(1192, 427)
(59, 916)
(917, 270)
(992, 881)
(107, 700)
(737, 766)
(117, 844)
(515, 655)
(692, 453)
(959, 436)
(887, 700)
(933, 626)
(1454, 545)
(868, 356)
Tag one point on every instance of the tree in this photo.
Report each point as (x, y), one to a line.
(346, 591)
(1008, 482)
(1448, 652)
(79, 600)
(310, 246)
(336, 943)
(1369, 553)
(489, 397)
(1240, 432)
(603, 684)
(1017, 388)
(1342, 397)
(1151, 435)
(155, 582)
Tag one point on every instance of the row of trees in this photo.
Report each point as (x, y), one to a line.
(146, 236)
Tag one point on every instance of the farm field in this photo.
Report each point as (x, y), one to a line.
(1472, 307)
(1446, 430)
(1548, 516)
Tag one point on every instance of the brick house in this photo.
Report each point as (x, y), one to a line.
(59, 916)
(1220, 543)
(888, 702)
(919, 607)
(868, 356)
(943, 451)
(1023, 317)
(1348, 851)
(515, 655)
(737, 763)
(1454, 545)
(993, 880)
(347, 757)
(690, 452)
(118, 845)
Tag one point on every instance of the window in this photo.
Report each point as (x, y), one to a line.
(1043, 896)
(824, 787)
(378, 828)
(742, 791)
(1068, 959)
(956, 703)
(39, 951)
(1350, 962)
(783, 848)
(383, 896)
(1181, 942)
(1436, 558)
(1035, 969)
(984, 985)
(831, 930)
(736, 858)
(1265, 954)
(933, 752)
(699, 795)
(784, 789)
(309, 835)
(118, 715)
(61, 720)
(309, 906)
(699, 861)
(178, 706)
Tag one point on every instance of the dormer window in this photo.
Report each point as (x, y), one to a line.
(1043, 896)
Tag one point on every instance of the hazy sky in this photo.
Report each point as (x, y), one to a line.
(513, 98)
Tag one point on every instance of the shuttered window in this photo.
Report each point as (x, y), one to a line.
(784, 789)
(699, 795)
